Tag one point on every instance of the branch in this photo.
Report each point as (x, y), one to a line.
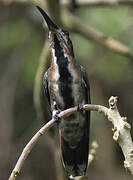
(92, 152)
(121, 133)
(80, 3)
(74, 24)
(28, 149)
(42, 67)
(98, 3)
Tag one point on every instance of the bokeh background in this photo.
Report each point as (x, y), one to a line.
(22, 38)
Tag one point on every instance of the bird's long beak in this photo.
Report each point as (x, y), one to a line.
(52, 27)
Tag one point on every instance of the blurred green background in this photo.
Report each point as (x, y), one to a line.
(21, 41)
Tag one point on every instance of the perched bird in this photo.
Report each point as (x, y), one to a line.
(66, 85)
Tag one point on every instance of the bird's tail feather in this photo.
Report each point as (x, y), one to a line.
(75, 160)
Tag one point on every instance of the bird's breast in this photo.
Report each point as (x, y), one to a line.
(67, 91)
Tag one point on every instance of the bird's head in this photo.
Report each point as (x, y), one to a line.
(59, 38)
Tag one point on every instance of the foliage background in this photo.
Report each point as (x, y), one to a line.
(21, 42)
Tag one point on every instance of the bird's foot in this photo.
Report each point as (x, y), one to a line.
(57, 118)
(80, 108)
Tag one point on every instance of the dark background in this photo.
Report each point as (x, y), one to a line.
(21, 41)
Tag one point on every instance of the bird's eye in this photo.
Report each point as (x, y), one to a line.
(64, 32)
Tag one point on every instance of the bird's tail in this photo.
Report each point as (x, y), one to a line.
(75, 160)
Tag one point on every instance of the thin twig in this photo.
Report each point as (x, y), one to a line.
(80, 3)
(28, 149)
(98, 3)
(74, 24)
(92, 152)
(121, 133)
(42, 67)
(35, 138)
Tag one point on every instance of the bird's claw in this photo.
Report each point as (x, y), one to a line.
(80, 108)
(57, 118)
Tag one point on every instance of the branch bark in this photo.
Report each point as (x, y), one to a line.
(98, 3)
(28, 149)
(42, 67)
(121, 133)
(74, 24)
(81, 3)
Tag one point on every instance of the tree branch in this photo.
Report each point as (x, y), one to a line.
(74, 24)
(98, 3)
(81, 3)
(92, 152)
(28, 149)
(42, 67)
(121, 133)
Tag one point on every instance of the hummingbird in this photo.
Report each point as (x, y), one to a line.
(66, 85)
